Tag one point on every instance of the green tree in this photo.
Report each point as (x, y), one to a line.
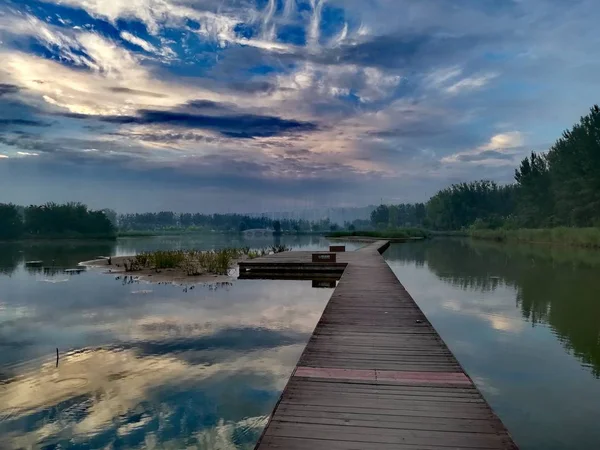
(534, 192)
(11, 223)
(380, 216)
(111, 215)
(460, 205)
(574, 165)
(70, 219)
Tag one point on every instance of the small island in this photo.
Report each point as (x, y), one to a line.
(181, 266)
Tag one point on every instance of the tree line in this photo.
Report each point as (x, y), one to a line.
(53, 220)
(168, 220)
(75, 219)
(558, 188)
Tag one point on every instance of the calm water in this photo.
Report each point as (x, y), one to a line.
(143, 365)
(524, 321)
(155, 366)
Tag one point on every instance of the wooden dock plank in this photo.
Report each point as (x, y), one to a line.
(375, 374)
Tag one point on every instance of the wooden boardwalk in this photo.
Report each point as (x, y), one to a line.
(375, 374)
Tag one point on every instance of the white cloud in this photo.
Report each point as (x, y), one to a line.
(438, 78)
(470, 83)
(138, 41)
(508, 143)
(448, 80)
(93, 93)
(265, 45)
(340, 38)
(314, 31)
(268, 28)
(503, 141)
(156, 14)
(378, 85)
(127, 379)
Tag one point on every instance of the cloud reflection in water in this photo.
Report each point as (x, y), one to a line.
(201, 369)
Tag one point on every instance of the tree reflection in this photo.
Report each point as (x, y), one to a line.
(554, 286)
(55, 255)
(9, 258)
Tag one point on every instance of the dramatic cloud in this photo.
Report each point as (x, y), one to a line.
(502, 148)
(8, 89)
(239, 125)
(263, 103)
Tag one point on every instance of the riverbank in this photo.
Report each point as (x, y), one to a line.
(399, 235)
(191, 232)
(574, 237)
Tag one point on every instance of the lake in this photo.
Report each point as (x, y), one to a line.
(162, 366)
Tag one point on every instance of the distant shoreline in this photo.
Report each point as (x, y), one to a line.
(186, 232)
(54, 238)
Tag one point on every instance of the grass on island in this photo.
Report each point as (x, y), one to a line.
(392, 233)
(195, 262)
(576, 237)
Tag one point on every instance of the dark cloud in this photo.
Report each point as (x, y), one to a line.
(413, 130)
(237, 125)
(15, 113)
(8, 89)
(235, 339)
(254, 86)
(9, 123)
(488, 154)
(207, 104)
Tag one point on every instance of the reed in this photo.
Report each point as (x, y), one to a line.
(575, 237)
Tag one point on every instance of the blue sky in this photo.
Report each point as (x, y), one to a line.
(252, 105)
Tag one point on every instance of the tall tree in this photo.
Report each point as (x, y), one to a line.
(11, 223)
(462, 204)
(380, 217)
(574, 164)
(535, 201)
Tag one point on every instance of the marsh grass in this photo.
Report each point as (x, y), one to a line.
(168, 259)
(576, 237)
(195, 262)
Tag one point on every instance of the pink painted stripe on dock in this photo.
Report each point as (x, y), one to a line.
(423, 377)
(383, 375)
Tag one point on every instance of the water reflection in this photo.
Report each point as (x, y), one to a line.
(523, 322)
(554, 286)
(63, 254)
(98, 397)
(128, 246)
(143, 365)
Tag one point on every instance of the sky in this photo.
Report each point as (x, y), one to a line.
(263, 105)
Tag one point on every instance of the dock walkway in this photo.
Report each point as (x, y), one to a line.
(375, 375)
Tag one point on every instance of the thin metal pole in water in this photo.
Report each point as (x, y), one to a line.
(56, 357)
